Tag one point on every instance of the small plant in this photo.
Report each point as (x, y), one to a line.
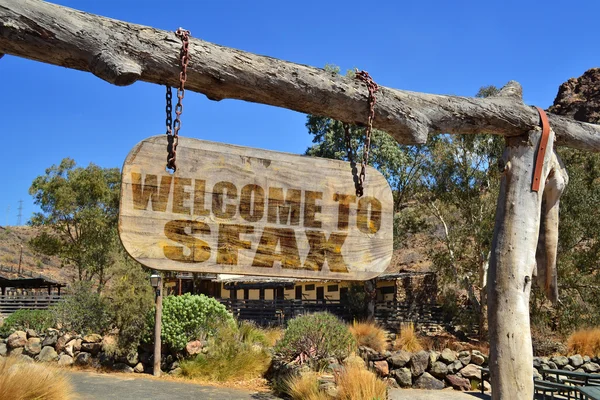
(304, 386)
(584, 342)
(314, 338)
(356, 383)
(24, 381)
(38, 320)
(407, 339)
(84, 311)
(369, 334)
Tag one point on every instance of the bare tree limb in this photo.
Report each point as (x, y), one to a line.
(122, 53)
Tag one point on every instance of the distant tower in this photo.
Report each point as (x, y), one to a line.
(20, 215)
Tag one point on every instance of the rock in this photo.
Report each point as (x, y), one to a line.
(464, 357)
(105, 360)
(591, 367)
(65, 360)
(439, 370)
(173, 365)
(576, 360)
(560, 361)
(139, 368)
(552, 365)
(536, 374)
(83, 358)
(16, 339)
(471, 371)
(33, 346)
(194, 347)
(3, 349)
(48, 354)
(433, 356)
(455, 367)
(568, 368)
(577, 98)
(486, 386)
(175, 372)
(77, 344)
(93, 348)
(31, 333)
(391, 383)
(130, 359)
(370, 354)
(458, 383)
(51, 338)
(68, 350)
(122, 367)
(426, 381)
(477, 359)
(16, 351)
(586, 359)
(399, 359)
(62, 342)
(381, 367)
(24, 358)
(403, 377)
(93, 338)
(327, 385)
(419, 362)
(448, 356)
(537, 363)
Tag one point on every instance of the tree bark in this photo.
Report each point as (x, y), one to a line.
(122, 53)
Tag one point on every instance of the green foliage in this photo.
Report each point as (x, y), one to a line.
(38, 320)
(79, 208)
(191, 317)
(83, 311)
(356, 302)
(235, 353)
(316, 337)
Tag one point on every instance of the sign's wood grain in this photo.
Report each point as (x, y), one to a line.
(237, 210)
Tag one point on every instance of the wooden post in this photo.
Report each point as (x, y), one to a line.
(157, 328)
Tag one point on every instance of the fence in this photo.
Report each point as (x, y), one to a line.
(426, 317)
(11, 303)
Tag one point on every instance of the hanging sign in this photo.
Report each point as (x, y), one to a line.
(237, 210)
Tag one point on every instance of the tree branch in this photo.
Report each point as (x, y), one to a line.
(122, 53)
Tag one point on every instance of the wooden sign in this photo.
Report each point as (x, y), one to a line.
(236, 210)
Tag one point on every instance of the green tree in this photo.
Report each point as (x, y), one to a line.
(79, 208)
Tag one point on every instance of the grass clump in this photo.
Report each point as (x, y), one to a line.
(356, 383)
(38, 320)
(584, 342)
(369, 334)
(304, 386)
(235, 353)
(29, 381)
(407, 339)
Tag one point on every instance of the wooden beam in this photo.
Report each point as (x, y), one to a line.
(122, 53)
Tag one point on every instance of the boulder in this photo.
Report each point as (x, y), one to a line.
(428, 382)
(24, 358)
(552, 365)
(448, 356)
(439, 370)
(77, 344)
(93, 338)
(590, 367)
(586, 359)
(130, 359)
(327, 385)
(381, 368)
(458, 383)
(17, 339)
(399, 359)
(433, 356)
(536, 374)
(122, 367)
(62, 342)
(486, 386)
(3, 349)
(31, 333)
(455, 367)
(83, 358)
(33, 346)
(560, 361)
(93, 348)
(464, 357)
(477, 359)
(419, 362)
(175, 372)
(568, 368)
(65, 360)
(576, 360)
(50, 339)
(105, 360)
(471, 371)
(391, 383)
(403, 376)
(194, 347)
(68, 350)
(17, 351)
(48, 354)
(139, 368)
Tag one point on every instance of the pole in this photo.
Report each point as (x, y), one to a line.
(20, 259)
(157, 328)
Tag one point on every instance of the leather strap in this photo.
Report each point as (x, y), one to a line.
(541, 153)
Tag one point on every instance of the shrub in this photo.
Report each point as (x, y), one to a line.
(304, 386)
(407, 339)
(369, 334)
(315, 337)
(356, 383)
(84, 311)
(24, 381)
(235, 353)
(38, 320)
(584, 342)
(191, 317)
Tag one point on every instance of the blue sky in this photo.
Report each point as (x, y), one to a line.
(435, 46)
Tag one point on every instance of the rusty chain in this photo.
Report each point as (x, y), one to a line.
(360, 179)
(173, 127)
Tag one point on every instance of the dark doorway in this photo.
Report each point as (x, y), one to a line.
(299, 292)
(321, 294)
(261, 294)
(246, 294)
(278, 293)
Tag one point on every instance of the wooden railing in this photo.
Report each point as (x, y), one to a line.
(11, 303)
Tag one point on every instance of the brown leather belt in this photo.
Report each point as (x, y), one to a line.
(539, 159)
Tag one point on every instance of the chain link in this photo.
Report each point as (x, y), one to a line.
(360, 179)
(173, 127)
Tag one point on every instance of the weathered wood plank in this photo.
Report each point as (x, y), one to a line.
(236, 210)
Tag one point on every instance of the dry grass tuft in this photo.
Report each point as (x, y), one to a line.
(585, 342)
(369, 334)
(272, 335)
(356, 383)
(407, 339)
(28, 381)
(304, 386)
